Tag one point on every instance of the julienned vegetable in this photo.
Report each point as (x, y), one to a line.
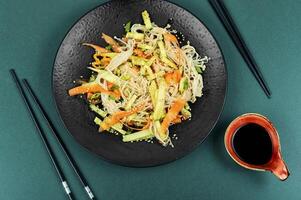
(117, 127)
(115, 118)
(99, 111)
(171, 115)
(140, 135)
(92, 88)
(141, 83)
(137, 36)
(127, 27)
(160, 101)
(146, 19)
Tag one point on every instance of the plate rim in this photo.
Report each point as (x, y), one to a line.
(193, 147)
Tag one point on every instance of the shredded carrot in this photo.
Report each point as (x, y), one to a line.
(136, 70)
(177, 76)
(173, 77)
(91, 88)
(169, 78)
(105, 61)
(97, 48)
(172, 42)
(117, 93)
(140, 53)
(112, 42)
(172, 113)
(110, 85)
(177, 120)
(96, 62)
(130, 123)
(170, 38)
(116, 117)
(89, 94)
(147, 125)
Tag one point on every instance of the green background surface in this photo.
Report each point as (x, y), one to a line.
(30, 34)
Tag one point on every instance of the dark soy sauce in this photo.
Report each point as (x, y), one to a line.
(253, 144)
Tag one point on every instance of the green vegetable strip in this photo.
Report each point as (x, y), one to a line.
(140, 135)
(149, 70)
(160, 136)
(163, 55)
(125, 77)
(108, 76)
(117, 127)
(97, 120)
(186, 113)
(144, 47)
(187, 107)
(130, 102)
(109, 47)
(142, 71)
(152, 90)
(159, 74)
(183, 84)
(162, 49)
(169, 63)
(160, 100)
(138, 60)
(146, 20)
(98, 110)
(127, 27)
(136, 36)
(198, 69)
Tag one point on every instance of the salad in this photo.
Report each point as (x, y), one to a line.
(142, 83)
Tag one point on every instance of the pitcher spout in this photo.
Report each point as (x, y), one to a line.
(279, 169)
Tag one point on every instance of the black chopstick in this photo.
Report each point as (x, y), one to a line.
(42, 135)
(59, 140)
(236, 31)
(233, 31)
(227, 14)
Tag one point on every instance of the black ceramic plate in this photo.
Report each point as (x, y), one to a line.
(73, 58)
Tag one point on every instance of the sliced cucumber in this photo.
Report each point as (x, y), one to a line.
(130, 102)
(140, 135)
(160, 100)
(99, 111)
(183, 84)
(146, 20)
(117, 127)
(136, 36)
